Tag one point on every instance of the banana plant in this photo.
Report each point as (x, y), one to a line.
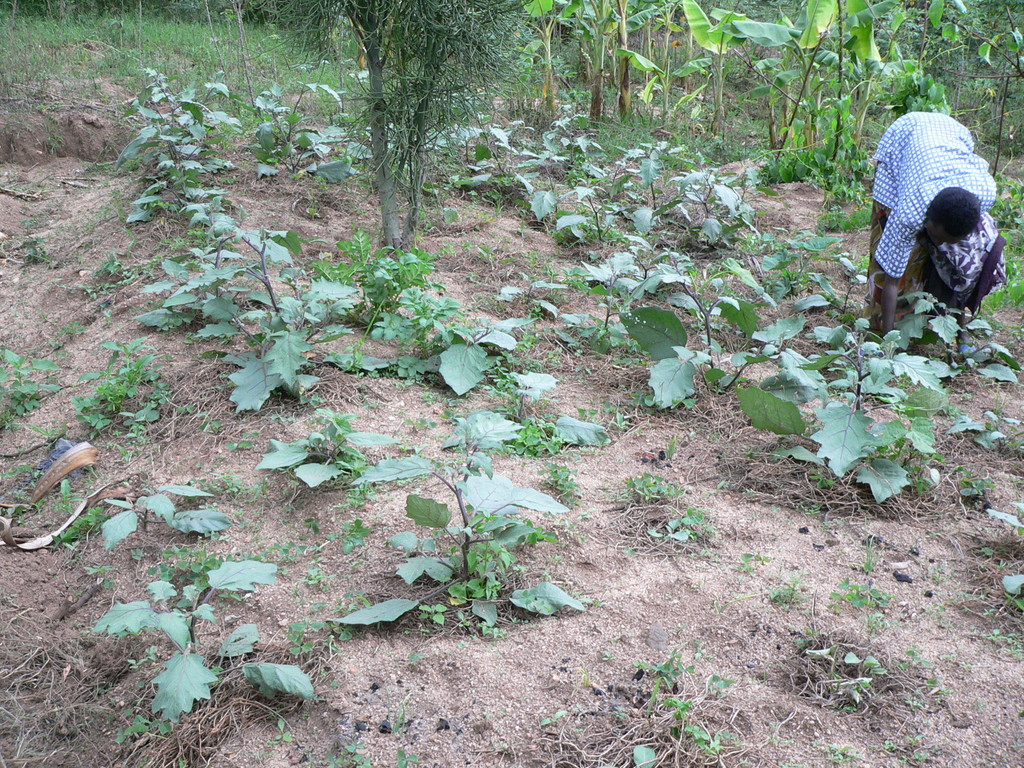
(717, 39)
(545, 16)
(597, 22)
(796, 79)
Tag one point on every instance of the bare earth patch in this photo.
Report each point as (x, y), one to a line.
(698, 651)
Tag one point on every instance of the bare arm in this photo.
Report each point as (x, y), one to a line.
(889, 293)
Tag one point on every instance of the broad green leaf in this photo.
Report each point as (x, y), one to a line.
(644, 757)
(672, 381)
(119, 527)
(998, 372)
(810, 302)
(921, 370)
(427, 512)
(844, 437)
(946, 327)
(395, 469)
(176, 626)
(579, 432)
(316, 474)
(272, 679)
(793, 385)
(922, 435)
(571, 220)
(924, 403)
(389, 610)
(486, 610)
(288, 356)
(821, 14)
(885, 477)
(534, 385)
(1013, 584)
(240, 642)
(183, 490)
(643, 219)
(935, 10)
(740, 313)
(763, 33)
(656, 331)
(766, 411)
(160, 505)
(369, 439)
(800, 454)
(499, 495)
(335, 172)
(242, 575)
(184, 681)
(1006, 517)
(127, 618)
(644, 65)
(486, 430)
(780, 331)
(463, 366)
(433, 567)
(539, 7)
(253, 384)
(161, 590)
(202, 521)
(543, 204)
(283, 455)
(545, 599)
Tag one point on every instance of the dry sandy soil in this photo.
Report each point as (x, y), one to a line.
(733, 614)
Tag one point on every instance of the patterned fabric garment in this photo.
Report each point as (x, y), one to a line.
(921, 154)
(959, 264)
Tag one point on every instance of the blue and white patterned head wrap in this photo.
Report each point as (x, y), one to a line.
(921, 154)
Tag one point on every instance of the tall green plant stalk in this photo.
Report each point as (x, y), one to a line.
(625, 94)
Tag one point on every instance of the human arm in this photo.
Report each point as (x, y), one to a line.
(890, 291)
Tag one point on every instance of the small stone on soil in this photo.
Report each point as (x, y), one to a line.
(803, 529)
(385, 726)
(443, 725)
(902, 577)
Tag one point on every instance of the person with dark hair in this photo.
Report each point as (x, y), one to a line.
(930, 228)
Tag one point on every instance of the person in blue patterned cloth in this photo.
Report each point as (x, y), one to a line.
(930, 228)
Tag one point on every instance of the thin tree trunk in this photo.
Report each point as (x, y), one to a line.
(383, 174)
(244, 51)
(213, 36)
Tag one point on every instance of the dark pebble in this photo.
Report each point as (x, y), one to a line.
(804, 529)
(638, 675)
(443, 725)
(931, 559)
(374, 686)
(385, 726)
(361, 726)
(929, 593)
(902, 577)
(598, 691)
(914, 551)
(818, 547)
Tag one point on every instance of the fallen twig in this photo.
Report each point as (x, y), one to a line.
(19, 194)
(67, 607)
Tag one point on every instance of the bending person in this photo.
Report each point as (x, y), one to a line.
(930, 230)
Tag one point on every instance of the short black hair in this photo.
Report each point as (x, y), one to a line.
(956, 210)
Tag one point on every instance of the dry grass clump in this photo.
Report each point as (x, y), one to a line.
(672, 717)
(48, 692)
(656, 518)
(847, 674)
